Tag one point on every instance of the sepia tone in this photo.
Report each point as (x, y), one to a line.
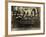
(25, 18)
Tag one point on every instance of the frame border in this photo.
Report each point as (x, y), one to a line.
(6, 18)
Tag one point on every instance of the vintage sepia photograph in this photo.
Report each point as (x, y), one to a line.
(25, 18)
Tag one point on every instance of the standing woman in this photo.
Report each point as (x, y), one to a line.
(33, 12)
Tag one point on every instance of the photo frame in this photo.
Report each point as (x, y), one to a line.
(34, 13)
